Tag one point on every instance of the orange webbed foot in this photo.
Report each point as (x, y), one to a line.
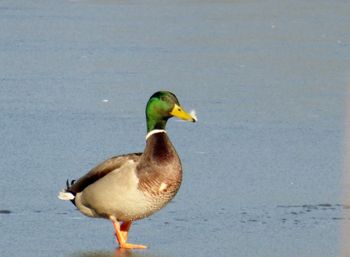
(121, 232)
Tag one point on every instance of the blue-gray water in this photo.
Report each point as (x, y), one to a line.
(263, 166)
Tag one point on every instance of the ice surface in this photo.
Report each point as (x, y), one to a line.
(262, 167)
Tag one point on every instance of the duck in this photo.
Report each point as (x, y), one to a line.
(130, 187)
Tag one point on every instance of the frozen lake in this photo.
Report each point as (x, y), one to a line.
(263, 167)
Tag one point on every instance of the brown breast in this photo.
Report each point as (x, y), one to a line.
(159, 170)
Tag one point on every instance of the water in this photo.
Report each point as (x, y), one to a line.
(263, 166)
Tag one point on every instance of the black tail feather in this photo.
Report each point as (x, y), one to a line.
(69, 184)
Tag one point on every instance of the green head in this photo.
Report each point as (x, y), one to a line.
(160, 107)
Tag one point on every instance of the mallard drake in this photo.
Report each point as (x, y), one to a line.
(133, 186)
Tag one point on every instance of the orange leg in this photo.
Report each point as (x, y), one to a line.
(124, 229)
(121, 232)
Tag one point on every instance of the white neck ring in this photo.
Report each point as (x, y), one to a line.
(154, 131)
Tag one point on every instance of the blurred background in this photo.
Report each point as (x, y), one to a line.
(265, 168)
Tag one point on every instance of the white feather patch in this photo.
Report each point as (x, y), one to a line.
(65, 196)
(162, 187)
(194, 114)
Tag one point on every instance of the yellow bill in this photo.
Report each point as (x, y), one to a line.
(178, 112)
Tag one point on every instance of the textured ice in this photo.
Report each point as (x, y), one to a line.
(262, 167)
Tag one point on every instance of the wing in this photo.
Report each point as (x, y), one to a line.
(100, 171)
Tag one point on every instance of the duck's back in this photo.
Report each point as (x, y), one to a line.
(116, 194)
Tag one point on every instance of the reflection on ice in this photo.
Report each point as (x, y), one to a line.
(116, 253)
